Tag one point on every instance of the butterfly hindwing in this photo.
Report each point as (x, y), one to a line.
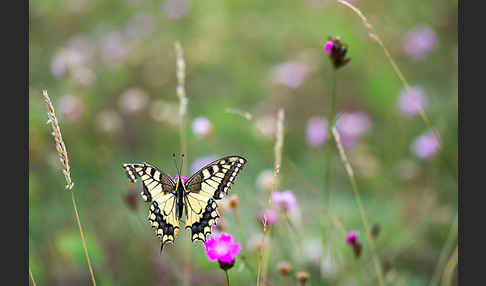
(206, 186)
(159, 190)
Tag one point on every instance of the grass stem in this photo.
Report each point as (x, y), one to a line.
(32, 277)
(364, 218)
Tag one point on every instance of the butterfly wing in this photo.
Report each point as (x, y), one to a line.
(206, 186)
(159, 190)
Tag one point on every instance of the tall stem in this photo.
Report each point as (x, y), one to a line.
(227, 278)
(327, 154)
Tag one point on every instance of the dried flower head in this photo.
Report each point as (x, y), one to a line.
(131, 200)
(268, 217)
(302, 277)
(233, 201)
(337, 52)
(284, 268)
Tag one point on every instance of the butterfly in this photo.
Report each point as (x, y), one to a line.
(195, 199)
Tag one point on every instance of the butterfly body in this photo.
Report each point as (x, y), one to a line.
(195, 199)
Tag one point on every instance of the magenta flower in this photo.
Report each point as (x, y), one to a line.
(328, 46)
(222, 248)
(285, 200)
(270, 216)
(419, 42)
(184, 179)
(410, 100)
(316, 133)
(352, 237)
(351, 127)
(425, 146)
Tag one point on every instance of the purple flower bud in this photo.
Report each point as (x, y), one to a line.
(410, 100)
(316, 133)
(425, 146)
(285, 200)
(419, 42)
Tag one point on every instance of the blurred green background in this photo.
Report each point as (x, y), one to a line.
(110, 70)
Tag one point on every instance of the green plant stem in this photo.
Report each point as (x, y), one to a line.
(32, 277)
(227, 278)
(328, 158)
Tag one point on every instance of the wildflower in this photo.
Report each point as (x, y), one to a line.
(351, 126)
(316, 133)
(113, 47)
(133, 100)
(268, 217)
(285, 200)
(177, 9)
(201, 162)
(419, 42)
(337, 52)
(302, 277)
(222, 248)
(233, 201)
(201, 126)
(291, 74)
(266, 180)
(425, 146)
(184, 179)
(75, 55)
(284, 268)
(410, 101)
(71, 108)
(352, 239)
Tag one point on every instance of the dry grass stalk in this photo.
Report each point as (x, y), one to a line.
(447, 248)
(264, 252)
(364, 218)
(449, 269)
(373, 35)
(244, 114)
(181, 94)
(63, 157)
(32, 277)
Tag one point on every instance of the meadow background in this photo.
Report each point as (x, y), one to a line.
(110, 70)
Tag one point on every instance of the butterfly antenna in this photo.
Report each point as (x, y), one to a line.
(182, 163)
(175, 162)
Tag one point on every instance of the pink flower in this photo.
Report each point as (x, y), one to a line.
(285, 200)
(201, 126)
(419, 42)
(351, 127)
(352, 238)
(316, 133)
(425, 146)
(222, 248)
(270, 216)
(184, 179)
(291, 74)
(410, 100)
(328, 46)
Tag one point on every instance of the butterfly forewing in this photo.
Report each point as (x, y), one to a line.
(159, 189)
(210, 183)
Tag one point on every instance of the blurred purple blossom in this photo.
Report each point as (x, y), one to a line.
(140, 26)
(425, 146)
(71, 108)
(270, 215)
(410, 100)
(83, 76)
(201, 162)
(328, 46)
(177, 9)
(291, 74)
(351, 127)
(201, 126)
(77, 54)
(418, 42)
(222, 248)
(316, 133)
(133, 100)
(113, 47)
(285, 200)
